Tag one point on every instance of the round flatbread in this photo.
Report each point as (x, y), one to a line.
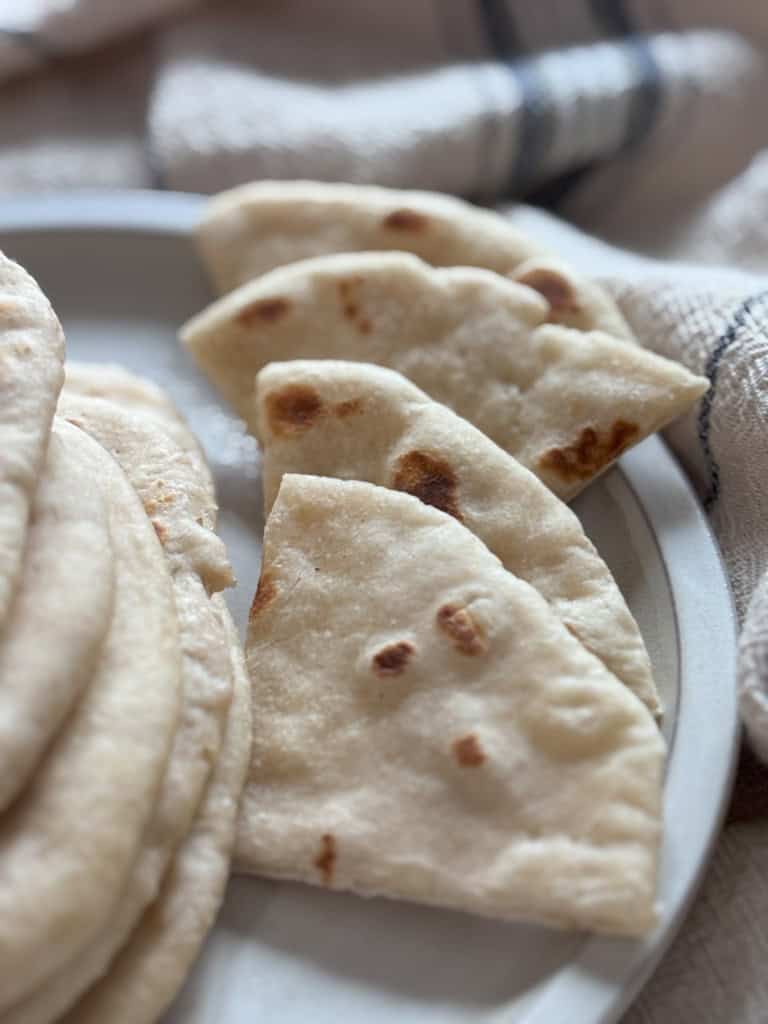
(565, 402)
(31, 375)
(175, 499)
(149, 971)
(49, 647)
(361, 422)
(68, 845)
(428, 729)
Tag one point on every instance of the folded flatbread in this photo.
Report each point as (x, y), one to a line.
(564, 402)
(31, 375)
(428, 729)
(357, 421)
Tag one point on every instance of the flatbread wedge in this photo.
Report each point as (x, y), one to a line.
(429, 730)
(250, 230)
(31, 375)
(566, 403)
(357, 421)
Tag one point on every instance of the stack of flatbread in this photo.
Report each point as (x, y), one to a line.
(124, 707)
(452, 702)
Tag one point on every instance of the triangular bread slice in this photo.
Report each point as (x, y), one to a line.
(564, 402)
(252, 229)
(357, 421)
(429, 730)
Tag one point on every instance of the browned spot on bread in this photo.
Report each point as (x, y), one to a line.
(468, 751)
(325, 861)
(556, 289)
(294, 409)
(391, 660)
(406, 220)
(590, 452)
(350, 304)
(352, 407)
(75, 423)
(265, 311)
(429, 478)
(347, 285)
(265, 593)
(457, 622)
(162, 533)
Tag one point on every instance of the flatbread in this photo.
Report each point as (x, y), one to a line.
(429, 730)
(564, 402)
(175, 499)
(137, 394)
(170, 475)
(149, 971)
(372, 424)
(250, 230)
(49, 647)
(31, 374)
(68, 844)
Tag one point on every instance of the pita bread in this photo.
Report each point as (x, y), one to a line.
(255, 228)
(49, 647)
(31, 374)
(68, 844)
(372, 424)
(175, 500)
(564, 402)
(149, 971)
(170, 476)
(137, 394)
(429, 729)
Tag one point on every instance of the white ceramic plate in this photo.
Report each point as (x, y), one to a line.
(122, 274)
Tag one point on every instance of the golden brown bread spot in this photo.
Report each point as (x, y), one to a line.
(406, 220)
(266, 592)
(293, 410)
(75, 423)
(590, 452)
(325, 861)
(468, 751)
(457, 622)
(391, 660)
(162, 533)
(352, 407)
(556, 289)
(347, 287)
(264, 311)
(430, 479)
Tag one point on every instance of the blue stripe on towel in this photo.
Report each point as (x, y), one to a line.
(611, 17)
(500, 28)
(711, 371)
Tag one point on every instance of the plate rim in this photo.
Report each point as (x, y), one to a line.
(608, 973)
